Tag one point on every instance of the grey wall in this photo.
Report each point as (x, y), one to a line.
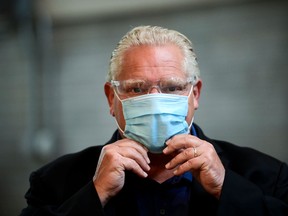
(51, 90)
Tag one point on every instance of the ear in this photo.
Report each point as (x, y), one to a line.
(109, 92)
(196, 93)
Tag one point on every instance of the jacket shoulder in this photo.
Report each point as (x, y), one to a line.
(240, 156)
(68, 167)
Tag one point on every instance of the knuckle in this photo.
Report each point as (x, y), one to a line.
(187, 141)
(107, 148)
(109, 152)
(190, 163)
(210, 148)
(187, 153)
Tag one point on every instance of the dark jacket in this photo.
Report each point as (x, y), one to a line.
(255, 184)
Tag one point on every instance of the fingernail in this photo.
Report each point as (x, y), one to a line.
(148, 160)
(167, 165)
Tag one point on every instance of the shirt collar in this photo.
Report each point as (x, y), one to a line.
(193, 131)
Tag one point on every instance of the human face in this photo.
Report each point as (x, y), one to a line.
(151, 63)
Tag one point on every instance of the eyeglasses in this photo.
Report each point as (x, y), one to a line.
(137, 87)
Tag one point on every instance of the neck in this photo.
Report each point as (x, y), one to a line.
(158, 172)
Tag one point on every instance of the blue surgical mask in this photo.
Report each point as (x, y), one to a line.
(152, 119)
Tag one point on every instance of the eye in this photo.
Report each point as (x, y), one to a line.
(175, 86)
(134, 88)
(172, 88)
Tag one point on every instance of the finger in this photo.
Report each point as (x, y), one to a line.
(183, 156)
(193, 165)
(135, 145)
(187, 160)
(113, 152)
(132, 165)
(181, 141)
(137, 157)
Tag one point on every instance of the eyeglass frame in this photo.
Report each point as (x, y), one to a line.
(116, 84)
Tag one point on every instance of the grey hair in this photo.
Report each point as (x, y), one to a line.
(154, 35)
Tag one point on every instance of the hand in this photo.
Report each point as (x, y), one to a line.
(199, 157)
(114, 159)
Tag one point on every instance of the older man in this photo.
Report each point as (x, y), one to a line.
(158, 162)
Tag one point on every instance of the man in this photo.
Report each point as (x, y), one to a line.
(158, 162)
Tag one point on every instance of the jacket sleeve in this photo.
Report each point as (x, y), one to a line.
(40, 201)
(241, 196)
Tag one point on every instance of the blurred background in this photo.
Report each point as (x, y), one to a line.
(54, 57)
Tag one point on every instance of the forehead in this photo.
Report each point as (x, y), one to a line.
(152, 62)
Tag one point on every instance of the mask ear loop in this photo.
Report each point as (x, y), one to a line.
(189, 127)
(119, 128)
(115, 93)
(190, 91)
(192, 120)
